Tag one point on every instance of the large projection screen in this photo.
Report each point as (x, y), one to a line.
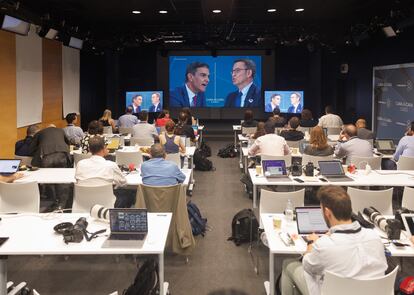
(393, 99)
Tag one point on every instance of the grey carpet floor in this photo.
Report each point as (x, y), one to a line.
(215, 264)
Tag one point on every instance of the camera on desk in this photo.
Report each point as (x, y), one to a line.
(392, 227)
(72, 233)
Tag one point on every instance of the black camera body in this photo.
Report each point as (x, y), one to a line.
(309, 168)
(77, 232)
(390, 226)
(296, 170)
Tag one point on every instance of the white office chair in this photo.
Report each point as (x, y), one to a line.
(23, 197)
(86, 196)
(293, 144)
(333, 130)
(80, 156)
(334, 284)
(381, 200)
(275, 202)
(277, 130)
(174, 158)
(405, 163)
(287, 158)
(24, 160)
(125, 130)
(315, 159)
(408, 198)
(304, 129)
(248, 130)
(128, 157)
(107, 130)
(361, 162)
(141, 141)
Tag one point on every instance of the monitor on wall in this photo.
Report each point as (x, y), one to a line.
(150, 101)
(288, 101)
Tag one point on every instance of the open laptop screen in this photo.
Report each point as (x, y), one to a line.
(331, 168)
(9, 166)
(385, 144)
(128, 220)
(310, 220)
(274, 167)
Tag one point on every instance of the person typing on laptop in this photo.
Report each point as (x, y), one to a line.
(346, 250)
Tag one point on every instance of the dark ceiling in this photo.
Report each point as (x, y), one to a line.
(242, 23)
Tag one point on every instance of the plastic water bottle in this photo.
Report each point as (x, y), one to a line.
(289, 210)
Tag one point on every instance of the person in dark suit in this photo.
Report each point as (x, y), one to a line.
(156, 104)
(22, 147)
(296, 107)
(273, 103)
(136, 103)
(191, 94)
(248, 94)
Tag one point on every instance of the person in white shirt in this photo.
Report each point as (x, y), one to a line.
(269, 144)
(347, 250)
(330, 120)
(97, 171)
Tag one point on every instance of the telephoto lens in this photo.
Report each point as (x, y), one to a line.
(100, 212)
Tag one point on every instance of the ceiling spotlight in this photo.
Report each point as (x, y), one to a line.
(163, 11)
(271, 10)
(216, 11)
(136, 12)
(299, 9)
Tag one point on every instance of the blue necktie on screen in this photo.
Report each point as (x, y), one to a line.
(237, 102)
(194, 102)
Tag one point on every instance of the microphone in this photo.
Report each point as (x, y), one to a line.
(100, 212)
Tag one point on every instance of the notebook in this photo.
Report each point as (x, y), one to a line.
(9, 166)
(275, 169)
(333, 171)
(310, 220)
(385, 146)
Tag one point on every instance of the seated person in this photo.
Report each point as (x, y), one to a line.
(350, 145)
(348, 250)
(107, 120)
(22, 147)
(362, 131)
(318, 143)
(260, 131)
(292, 134)
(128, 120)
(171, 142)
(306, 119)
(95, 128)
(159, 172)
(73, 133)
(277, 119)
(330, 120)
(269, 144)
(248, 119)
(191, 120)
(183, 128)
(404, 148)
(98, 171)
(143, 129)
(163, 118)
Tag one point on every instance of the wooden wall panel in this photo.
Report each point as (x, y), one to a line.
(8, 133)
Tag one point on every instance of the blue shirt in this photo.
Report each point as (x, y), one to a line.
(405, 147)
(159, 172)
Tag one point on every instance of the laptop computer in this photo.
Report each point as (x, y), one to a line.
(333, 171)
(385, 146)
(8, 167)
(128, 224)
(275, 170)
(310, 220)
(113, 143)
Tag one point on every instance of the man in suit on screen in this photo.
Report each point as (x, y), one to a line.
(191, 94)
(296, 106)
(136, 103)
(274, 103)
(156, 103)
(248, 94)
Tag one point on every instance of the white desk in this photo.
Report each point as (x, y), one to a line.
(33, 234)
(375, 178)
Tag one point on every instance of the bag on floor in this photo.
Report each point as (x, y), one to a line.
(201, 163)
(244, 227)
(248, 184)
(146, 281)
(229, 151)
(205, 150)
(198, 223)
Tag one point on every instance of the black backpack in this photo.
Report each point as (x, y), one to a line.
(201, 163)
(146, 281)
(244, 227)
(198, 223)
(229, 151)
(205, 150)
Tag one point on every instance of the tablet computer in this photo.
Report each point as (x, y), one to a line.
(408, 220)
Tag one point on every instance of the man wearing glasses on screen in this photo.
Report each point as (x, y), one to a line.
(248, 94)
(296, 106)
(191, 94)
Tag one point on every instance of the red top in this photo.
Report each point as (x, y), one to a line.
(161, 122)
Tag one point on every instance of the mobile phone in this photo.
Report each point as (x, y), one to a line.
(298, 180)
(3, 240)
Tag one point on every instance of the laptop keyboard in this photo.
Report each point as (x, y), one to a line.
(127, 237)
(339, 179)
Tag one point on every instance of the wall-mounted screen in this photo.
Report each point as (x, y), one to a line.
(150, 101)
(15, 25)
(290, 101)
(215, 82)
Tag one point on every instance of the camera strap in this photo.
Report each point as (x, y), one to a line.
(348, 231)
(92, 235)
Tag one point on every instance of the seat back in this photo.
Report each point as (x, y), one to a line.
(293, 144)
(287, 158)
(80, 156)
(248, 130)
(275, 202)
(86, 196)
(22, 197)
(333, 130)
(125, 130)
(278, 130)
(304, 129)
(141, 141)
(315, 159)
(334, 284)
(174, 158)
(128, 157)
(361, 162)
(25, 160)
(408, 198)
(381, 200)
(107, 130)
(405, 163)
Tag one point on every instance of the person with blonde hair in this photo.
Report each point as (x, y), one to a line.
(318, 143)
(107, 120)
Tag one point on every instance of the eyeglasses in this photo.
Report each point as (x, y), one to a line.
(236, 71)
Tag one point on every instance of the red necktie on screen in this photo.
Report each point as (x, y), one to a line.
(194, 103)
